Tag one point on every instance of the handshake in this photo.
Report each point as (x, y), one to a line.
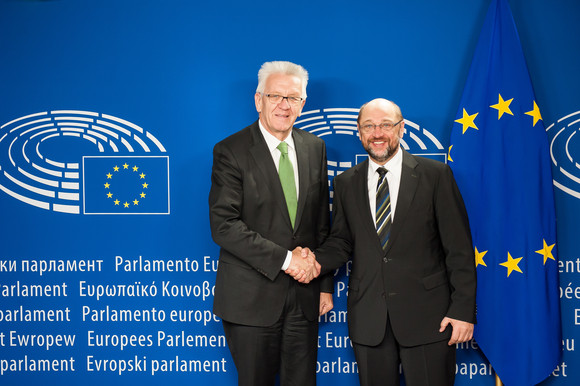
(303, 267)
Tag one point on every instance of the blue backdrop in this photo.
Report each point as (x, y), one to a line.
(135, 94)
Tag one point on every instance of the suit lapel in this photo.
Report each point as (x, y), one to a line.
(263, 159)
(303, 159)
(360, 183)
(407, 189)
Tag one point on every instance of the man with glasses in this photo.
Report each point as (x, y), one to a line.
(269, 196)
(402, 220)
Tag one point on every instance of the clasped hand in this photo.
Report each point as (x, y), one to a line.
(303, 267)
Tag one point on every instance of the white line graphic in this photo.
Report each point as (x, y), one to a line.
(565, 153)
(40, 154)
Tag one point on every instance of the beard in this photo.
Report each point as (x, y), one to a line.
(385, 155)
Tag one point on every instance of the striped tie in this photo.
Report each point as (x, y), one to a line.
(383, 210)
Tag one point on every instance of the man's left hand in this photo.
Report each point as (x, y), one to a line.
(461, 331)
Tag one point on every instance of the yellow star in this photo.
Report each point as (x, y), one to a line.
(109, 176)
(109, 195)
(512, 264)
(107, 185)
(145, 185)
(116, 168)
(142, 195)
(117, 202)
(479, 258)
(126, 204)
(142, 175)
(135, 168)
(535, 113)
(135, 202)
(547, 252)
(502, 107)
(449, 154)
(467, 121)
(125, 166)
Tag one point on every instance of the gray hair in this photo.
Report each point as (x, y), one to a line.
(281, 67)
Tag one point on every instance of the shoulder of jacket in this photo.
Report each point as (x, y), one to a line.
(241, 138)
(429, 163)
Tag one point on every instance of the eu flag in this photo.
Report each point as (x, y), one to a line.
(500, 158)
(126, 185)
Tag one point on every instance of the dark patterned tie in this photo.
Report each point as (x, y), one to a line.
(383, 210)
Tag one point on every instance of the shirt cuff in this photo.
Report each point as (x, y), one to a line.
(287, 261)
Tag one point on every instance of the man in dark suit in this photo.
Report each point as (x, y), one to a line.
(412, 288)
(259, 218)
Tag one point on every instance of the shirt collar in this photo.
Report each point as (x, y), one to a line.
(272, 141)
(393, 165)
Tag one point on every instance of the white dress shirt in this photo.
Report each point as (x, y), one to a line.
(394, 167)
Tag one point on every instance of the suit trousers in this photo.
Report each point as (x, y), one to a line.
(424, 365)
(289, 347)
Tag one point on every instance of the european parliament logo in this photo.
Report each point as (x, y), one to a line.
(82, 162)
(337, 126)
(564, 152)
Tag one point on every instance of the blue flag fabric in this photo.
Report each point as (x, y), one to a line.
(500, 158)
(126, 185)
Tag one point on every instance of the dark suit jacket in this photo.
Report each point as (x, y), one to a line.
(250, 222)
(428, 269)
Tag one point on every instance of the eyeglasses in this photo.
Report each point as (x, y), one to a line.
(275, 99)
(385, 127)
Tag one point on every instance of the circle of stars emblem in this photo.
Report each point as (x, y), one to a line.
(123, 201)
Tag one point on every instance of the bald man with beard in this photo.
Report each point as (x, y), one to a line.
(411, 294)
